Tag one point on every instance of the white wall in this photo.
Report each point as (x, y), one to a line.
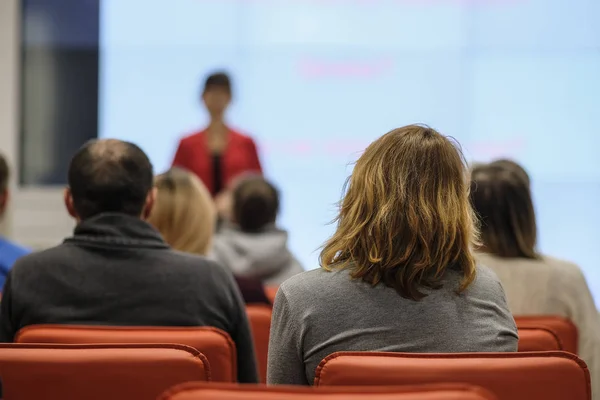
(36, 216)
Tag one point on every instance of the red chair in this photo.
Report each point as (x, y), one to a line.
(200, 391)
(97, 372)
(271, 292)
(259, 317)
(553, 375)
(215, 344)
(538, 339)
(563, 328)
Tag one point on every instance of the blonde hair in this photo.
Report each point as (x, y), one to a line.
(406, 216)
(184, 212)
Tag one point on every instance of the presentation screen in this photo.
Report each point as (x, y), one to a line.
(315, 81)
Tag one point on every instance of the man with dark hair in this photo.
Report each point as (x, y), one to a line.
(9, 251)
(252, 246)
(218, 153)
(116, 269)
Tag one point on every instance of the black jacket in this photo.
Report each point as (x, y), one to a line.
(117, 270)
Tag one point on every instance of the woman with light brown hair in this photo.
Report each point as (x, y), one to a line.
(399, 273)
(185, 215)
(535, 284)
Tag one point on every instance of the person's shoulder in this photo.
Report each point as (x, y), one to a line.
(562, 269)
(192, 263)
(192, 137)
(40, 260)
(486, 280)
(12, 250)
(559, 263)
(241, 135)
(198, 268)
(313, 281)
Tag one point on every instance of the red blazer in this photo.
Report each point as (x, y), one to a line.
(240, 156)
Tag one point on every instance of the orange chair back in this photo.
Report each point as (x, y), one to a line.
(510, 376)
(538, 339)
(215, 344)
(563, 328)
(271, 292)
(97, 372)
(260, 323)
(201, 391)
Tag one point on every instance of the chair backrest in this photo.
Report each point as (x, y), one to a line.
(271, 292)
(215, 344)
(202, 391)
(259, 317)
(538, 339)
(97, 372)
(562, 327)
(553, 375)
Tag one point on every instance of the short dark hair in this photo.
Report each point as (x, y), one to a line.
(4, 173)
(218, 80)
(255, 204)
(502, 200)
(110, 176)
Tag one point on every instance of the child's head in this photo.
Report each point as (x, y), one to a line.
(255, 204)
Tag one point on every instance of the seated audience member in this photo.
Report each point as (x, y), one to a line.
(398, 274)
(515, 167)
(252, 246)
(9, 251)
(535, 284)
(116, 269)
(185, 216)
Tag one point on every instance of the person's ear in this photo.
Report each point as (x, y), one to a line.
(150, 200)
(3, 201)
(68, 197)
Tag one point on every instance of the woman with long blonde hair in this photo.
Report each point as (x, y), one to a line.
(399, 273)
(185, 215)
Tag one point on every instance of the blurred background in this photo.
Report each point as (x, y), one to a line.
(314, 81)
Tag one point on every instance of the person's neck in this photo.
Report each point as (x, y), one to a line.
(217, 127)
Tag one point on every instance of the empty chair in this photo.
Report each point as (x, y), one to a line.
(538, 339)
(215, 344)
(97, 372)
(563, 328)
(202, 391)
(259, 317)
(553, 375)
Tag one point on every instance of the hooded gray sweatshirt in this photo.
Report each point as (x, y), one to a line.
(264, 255)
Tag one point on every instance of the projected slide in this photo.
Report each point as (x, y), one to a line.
(316, 80)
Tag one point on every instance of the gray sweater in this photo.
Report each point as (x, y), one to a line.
(264, 256)
(318, 313)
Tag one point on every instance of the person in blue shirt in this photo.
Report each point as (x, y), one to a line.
(9, 251)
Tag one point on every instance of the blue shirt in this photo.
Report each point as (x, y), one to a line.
(9, 253)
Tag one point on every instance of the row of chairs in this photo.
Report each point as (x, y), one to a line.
(535, 334)
(217, 351)
(144, 371)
